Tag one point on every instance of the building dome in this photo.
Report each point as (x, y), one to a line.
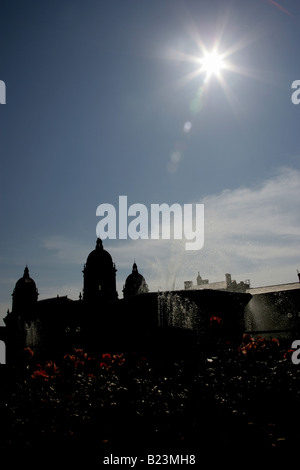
(99, 255)
(25, 293)
(99, 275)
(26, 282)
(135, 283)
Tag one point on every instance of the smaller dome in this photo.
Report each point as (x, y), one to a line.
(135, 283)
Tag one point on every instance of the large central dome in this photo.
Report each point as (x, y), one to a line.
(26, 282)
(99, 276)
(99, 255)
(25, 293)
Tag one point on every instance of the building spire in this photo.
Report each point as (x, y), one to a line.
(99, 245)
(134, 267)
(26, 272)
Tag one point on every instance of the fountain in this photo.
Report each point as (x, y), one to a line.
(176, 311)
(32, 334)
(273, 313)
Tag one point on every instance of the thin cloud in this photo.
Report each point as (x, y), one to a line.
(253, 226)
(251, 232)
(64, 250)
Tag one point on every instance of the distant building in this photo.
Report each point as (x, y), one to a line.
(228, 284)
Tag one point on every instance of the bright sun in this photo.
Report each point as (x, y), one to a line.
(212, 63)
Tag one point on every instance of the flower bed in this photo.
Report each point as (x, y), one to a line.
(86, 406)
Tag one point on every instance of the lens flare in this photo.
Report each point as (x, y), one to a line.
(197, 102)
(187, 127)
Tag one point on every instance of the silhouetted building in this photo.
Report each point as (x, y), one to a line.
(99, 321)
(58, 324)
(99, 276)
(135, 283)
(25, 294)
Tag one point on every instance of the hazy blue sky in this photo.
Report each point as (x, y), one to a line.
(103, 99)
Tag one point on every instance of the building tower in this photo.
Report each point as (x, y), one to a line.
(99, 276)
(25, 295)
(135, 283)
(18, 321)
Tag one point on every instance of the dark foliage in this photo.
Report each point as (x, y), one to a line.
(227, 399)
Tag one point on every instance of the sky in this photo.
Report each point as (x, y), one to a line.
(109, 98)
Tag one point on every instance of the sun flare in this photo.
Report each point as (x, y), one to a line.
(212, 63)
